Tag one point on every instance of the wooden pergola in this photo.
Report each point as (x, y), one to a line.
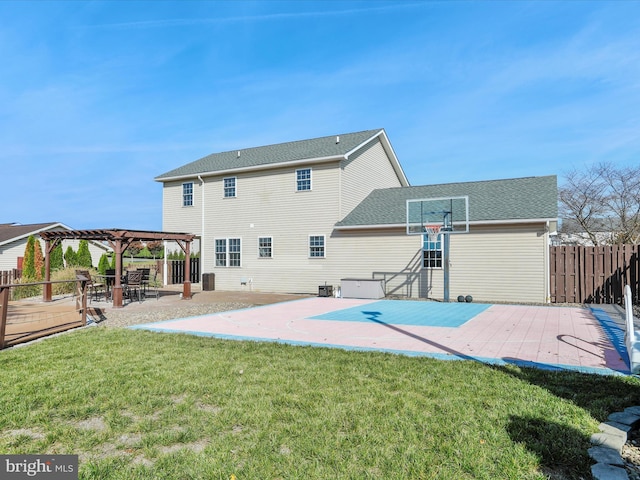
(118, 240)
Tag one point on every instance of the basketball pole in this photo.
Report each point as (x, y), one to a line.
(445, 265)
(447, 224)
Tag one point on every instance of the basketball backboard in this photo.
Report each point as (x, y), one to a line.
(452, 213)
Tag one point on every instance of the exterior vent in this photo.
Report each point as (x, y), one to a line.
(338, 139)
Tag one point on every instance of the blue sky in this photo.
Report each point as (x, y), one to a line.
(98, 98)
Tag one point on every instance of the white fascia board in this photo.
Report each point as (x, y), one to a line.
(386, 144)
(370, 227)
(394, 159)
(513, 221)
(253, 168)
(476, 223)
(358, 147)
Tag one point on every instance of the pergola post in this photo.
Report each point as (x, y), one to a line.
(186, 285)
(46, 288)
(117, 284)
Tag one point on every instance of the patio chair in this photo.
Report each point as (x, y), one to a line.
(145, 278)
(110, 281)
(153, 289)
(133, 285)
(95, 289)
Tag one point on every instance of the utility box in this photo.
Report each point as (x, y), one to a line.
(362, 288)
(208, 282)
(325, 291)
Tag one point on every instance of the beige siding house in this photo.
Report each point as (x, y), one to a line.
(295, 216)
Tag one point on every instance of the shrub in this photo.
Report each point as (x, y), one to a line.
(64, 288)
(28, 264)
(38, 261)
(84, 255)
(70, 257)
(56, 259)
(28, 291)
(103, 264)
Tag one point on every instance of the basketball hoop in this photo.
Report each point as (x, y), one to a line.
(432, 230)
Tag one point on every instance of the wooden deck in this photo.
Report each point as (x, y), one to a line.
(29, 321)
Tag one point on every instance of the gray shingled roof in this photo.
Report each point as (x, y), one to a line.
(270, 154)
(493, 200)
(10, 231)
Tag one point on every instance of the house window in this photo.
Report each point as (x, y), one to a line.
(221, 252)
(228, 252)
(230, 187)
(316, 246)
(432, 252)
(234, 252)
(265, 247)
(303, 179)
(187, 194)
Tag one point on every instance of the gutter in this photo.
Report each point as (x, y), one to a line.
(476, 223)
(253, 168)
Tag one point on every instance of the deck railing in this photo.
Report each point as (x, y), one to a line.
(80, 307)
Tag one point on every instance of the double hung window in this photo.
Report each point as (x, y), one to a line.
(303, 179)
(265, 247)
(229, 187)
(187, 194)
(316, 246)
(228, 252)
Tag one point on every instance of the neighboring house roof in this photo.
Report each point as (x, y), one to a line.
(489, 201)
(10, 232)
(334, 147)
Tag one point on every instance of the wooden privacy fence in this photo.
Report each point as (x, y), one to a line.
(9, 276)
(175, 271)
(594, 274)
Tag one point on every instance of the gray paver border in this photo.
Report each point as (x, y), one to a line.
(608, 443)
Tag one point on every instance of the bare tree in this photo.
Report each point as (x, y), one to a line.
(623, 201)
(603, 198)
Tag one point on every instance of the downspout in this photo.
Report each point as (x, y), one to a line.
(165, 274)
(547, 267)
(201, 230)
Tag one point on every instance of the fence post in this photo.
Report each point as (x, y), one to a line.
(4, 304)
(84, 303)
(81, 290)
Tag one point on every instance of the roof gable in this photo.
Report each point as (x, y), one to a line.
(334, 146)
(489, 201)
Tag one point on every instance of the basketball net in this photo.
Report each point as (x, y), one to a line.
(432, 230)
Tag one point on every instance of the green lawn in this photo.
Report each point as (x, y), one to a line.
(141, 405)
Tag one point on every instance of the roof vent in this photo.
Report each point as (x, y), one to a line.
(338, 139)
(238, 154)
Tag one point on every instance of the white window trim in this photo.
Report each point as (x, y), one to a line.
(192, 194)
(235, 187)
(310, 179)
(227, 252)
(265, 236)
(215, 253)
(324, 245)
